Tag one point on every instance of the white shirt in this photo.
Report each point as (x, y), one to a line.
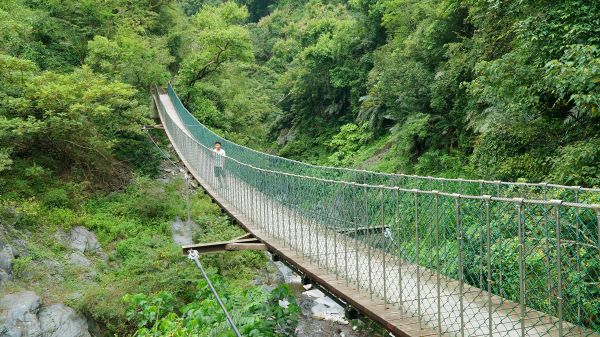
(219, 154)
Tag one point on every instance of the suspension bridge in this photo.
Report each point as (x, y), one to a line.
(421, 256)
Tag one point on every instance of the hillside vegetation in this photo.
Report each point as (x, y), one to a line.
(485, 89)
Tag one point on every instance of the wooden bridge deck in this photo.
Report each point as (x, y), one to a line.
(386, 289)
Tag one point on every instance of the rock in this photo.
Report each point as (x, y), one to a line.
(94, 328)
(18, 315)
(79, 260)
(58, 320)
(4, 277)
(102, 255)
(19, 248)
(314, 294)
(83, 240)
(194, 183)
(286, 274)
(332, 307)
(6, 258)
(182, 233)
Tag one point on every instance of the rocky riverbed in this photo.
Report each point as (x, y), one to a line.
(321, 315)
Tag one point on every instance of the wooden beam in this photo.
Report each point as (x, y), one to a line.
(245, 246)
(244, 242)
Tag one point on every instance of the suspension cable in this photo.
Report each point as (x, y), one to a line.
(193, 255)
(164, 154)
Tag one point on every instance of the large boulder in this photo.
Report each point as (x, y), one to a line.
(18, 315)
(58, 320)
(83, 240)
(22, 315)
(182, 233)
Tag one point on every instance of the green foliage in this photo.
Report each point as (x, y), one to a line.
(485, 77)
(349, 140)
(576, 78)
(578, 164)
(144, 310)
(515, 152)
(255, 312)
(56, 197)
(132, 58)
(21, 266)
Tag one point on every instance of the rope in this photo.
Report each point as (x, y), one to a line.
(193, 255)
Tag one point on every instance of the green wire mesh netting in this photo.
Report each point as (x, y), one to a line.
(259, 159)
(465, 257)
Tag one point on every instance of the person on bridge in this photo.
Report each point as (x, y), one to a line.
(219, 163)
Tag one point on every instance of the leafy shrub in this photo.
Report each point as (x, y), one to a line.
(347, 142)
(62, 217)
(254, 311)
(21, 266)
(514, 151)
(56, 197)
(577, 164)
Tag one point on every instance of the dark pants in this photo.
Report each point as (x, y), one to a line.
(219, 172)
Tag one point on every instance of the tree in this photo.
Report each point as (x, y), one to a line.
(132, 58)
(218, 38)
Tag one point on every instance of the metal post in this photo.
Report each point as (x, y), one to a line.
(488, 240)
(335, 232)
(355, 234)
(559, 298)
(289, 210)
(303, 219)
(346, 251)
(325, 220)
(296, 213)
(399, 247)
(578, 249)
(317, 226)
(519, 204)
(418, 252)
(384, 245)
(461, 275)
(368, 245)
(437, 262)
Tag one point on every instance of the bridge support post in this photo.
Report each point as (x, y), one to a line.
(351, 313)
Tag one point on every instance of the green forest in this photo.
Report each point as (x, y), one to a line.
(483, 89)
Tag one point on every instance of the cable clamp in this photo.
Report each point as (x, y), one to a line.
(192, 254)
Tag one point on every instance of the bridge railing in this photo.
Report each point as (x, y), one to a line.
(465, 265)
(259, 159)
